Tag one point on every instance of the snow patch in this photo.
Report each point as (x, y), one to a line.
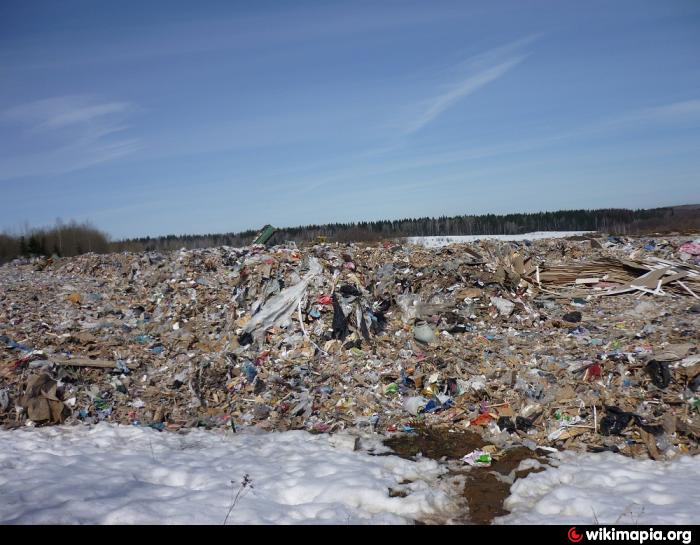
(111, 474)
(438, 241)
(607, 488)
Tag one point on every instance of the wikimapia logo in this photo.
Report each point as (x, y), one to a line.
(640, 536)
(573, 536)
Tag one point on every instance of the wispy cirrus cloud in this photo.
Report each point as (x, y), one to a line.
(680, 112)
(63, 134)
(64, 111)
(394, 159)
(473, 83)
(207, 34)
(476, 72)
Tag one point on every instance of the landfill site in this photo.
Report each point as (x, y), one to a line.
(468, 352)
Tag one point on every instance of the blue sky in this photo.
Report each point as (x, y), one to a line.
(152, 118)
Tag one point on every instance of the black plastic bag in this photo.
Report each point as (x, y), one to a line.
(349, 290)
(522, 423)
(615, 422)
(340, 321)
(506, 423)
(573, 317)
(659, 373)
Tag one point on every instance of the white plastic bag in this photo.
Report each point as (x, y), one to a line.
(278, 309)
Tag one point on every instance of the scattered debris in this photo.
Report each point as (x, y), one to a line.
(588, 343)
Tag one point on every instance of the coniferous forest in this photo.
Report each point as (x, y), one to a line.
(611, 220)
(73, 238)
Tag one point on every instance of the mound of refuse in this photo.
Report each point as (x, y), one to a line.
(589, 342)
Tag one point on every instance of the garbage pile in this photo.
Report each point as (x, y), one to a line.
(588, 343)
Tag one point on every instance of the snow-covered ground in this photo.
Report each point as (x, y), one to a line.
(110, 474)
(119, 474)
(436, 242)
(608, 488)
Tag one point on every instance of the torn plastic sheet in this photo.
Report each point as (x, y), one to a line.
(278, 309)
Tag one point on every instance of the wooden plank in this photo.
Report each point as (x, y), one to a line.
(87, 362)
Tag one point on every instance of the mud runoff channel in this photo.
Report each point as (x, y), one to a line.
(483, 491)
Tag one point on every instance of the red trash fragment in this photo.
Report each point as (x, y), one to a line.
(262, 357)
(593, 372)
(482, 419)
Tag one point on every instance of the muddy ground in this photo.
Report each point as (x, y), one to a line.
(483, 490)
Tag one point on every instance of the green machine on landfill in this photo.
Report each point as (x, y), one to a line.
(264, 235)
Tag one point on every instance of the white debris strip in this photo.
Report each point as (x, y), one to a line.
(607, 488)
(111, 474)
(438, 241)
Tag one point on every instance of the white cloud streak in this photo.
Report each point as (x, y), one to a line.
(60, 112)
(470, 85)
(481, 70)
(682, 112)
(676, 114)
(64, 134)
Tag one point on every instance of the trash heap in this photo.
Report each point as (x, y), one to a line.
(587, 343)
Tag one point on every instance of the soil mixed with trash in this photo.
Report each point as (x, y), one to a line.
(486, 486)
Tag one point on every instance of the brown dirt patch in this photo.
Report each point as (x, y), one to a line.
(483, 491)
(435, 444)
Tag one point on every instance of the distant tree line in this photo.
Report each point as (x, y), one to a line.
(610, 220)
(63, 239)
(73, 238)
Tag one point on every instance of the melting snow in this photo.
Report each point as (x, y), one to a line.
(436, 242)
(109, 474)
(607, 488)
